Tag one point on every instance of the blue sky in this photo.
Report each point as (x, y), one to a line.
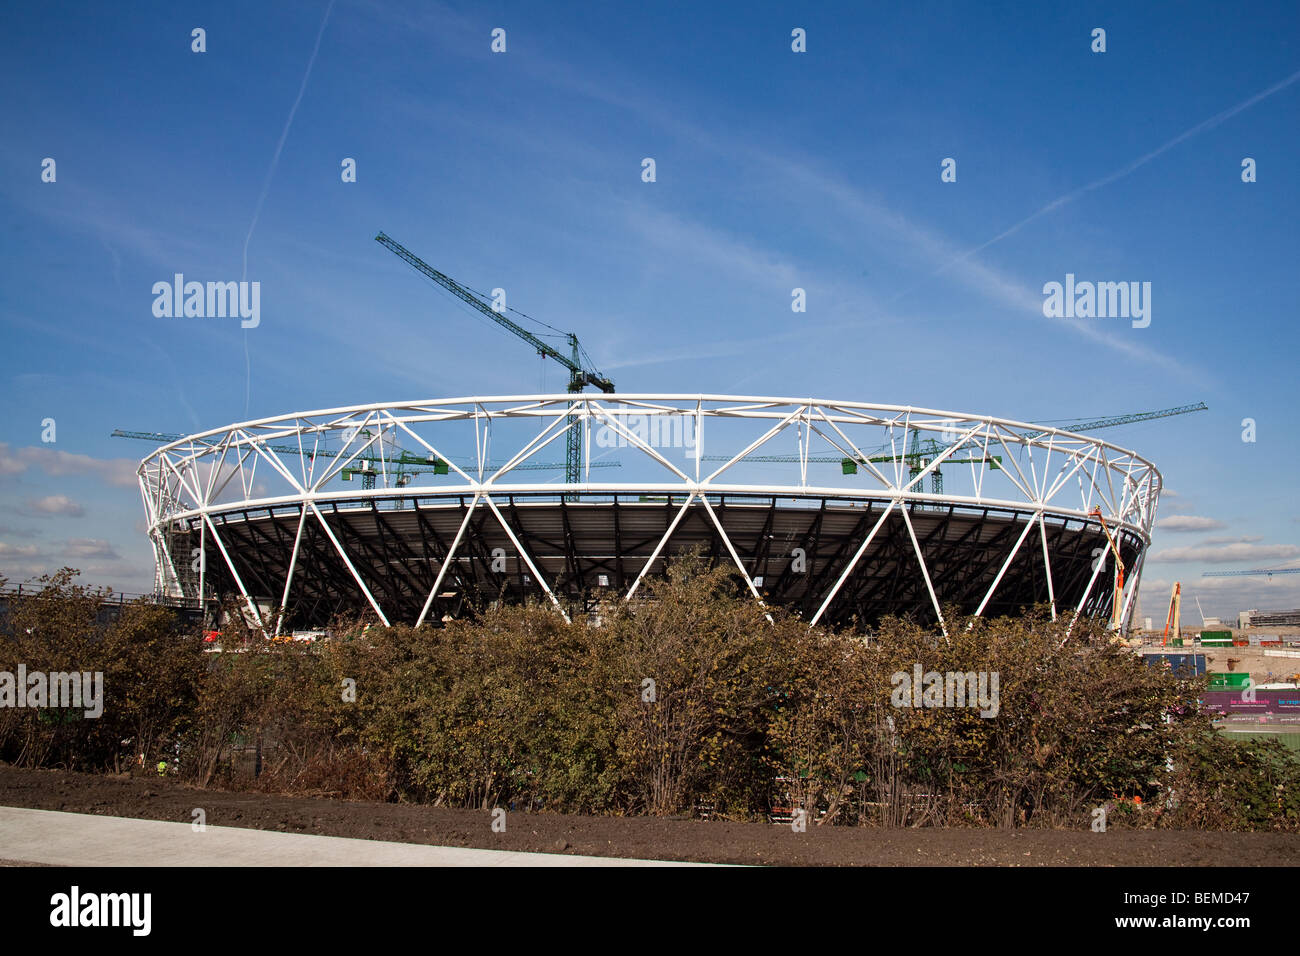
(774, 170)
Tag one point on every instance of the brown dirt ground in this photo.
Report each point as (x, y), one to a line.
(640, 837)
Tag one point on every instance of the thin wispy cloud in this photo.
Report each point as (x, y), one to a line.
(921, 246)
(706, 350)
(1188, 523)
(1227, 553)
(55, 505)
(119, 472)
(284, 135)
(1129, 168)
(266, 188)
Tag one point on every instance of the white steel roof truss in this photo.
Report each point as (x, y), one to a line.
(175, 487)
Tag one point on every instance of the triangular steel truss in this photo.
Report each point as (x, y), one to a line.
(260, 510)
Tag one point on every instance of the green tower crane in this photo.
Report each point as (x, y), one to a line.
(579, 376)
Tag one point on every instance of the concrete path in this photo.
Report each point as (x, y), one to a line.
(78, 839)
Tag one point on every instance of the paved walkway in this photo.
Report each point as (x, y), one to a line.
(78, 839)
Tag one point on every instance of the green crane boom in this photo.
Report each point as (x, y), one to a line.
(1130, 419)
(579, 377)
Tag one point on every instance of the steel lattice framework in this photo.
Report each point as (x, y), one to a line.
(260, 510)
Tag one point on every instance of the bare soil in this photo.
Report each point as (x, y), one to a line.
(639, 837)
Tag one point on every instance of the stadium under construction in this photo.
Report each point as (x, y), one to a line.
(422, 511)
(842, 511)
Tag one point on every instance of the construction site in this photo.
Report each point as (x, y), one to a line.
(844, 513)
(1252, 665)
(847, 511)
(502, 534)
(598, 435)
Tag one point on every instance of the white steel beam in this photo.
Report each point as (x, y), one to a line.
(734, 556)
(348, 561)
(523, 553)
(239, 582)
(293, 563)
(988, 596)
(654, 555)
(447, 560)
(848, 568)
(1047, 564)
(925, 571)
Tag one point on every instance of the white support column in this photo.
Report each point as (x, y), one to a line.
(527, 560)
(848, 568)
(288, 577)
(1134, 580)
(252, 605)
(203, 569)
(1097, 566)
(447, 561)
(1005, 564)
(1047, 564)
(736, 558)
(346, 560)
(925, 571)
(654, 555)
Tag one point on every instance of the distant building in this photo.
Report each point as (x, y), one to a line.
(1254, 618)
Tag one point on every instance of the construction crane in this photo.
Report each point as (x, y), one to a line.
(579, 376)
(366, 460)
(1116, 611)
(1234, 574)
(1127, 419)
(402, 466)
(931, 448)
(1174, 616)
(925, 450)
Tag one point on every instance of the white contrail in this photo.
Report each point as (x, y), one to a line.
(1140, 161)
(266, 187)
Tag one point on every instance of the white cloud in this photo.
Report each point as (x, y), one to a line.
(1142, 160)
(1228, 553)
(56, 505)
(90, 548)
(1188, 523)
(98, 561)
(934, 248)
(119, 472)
(906, 236)
(10, 551)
